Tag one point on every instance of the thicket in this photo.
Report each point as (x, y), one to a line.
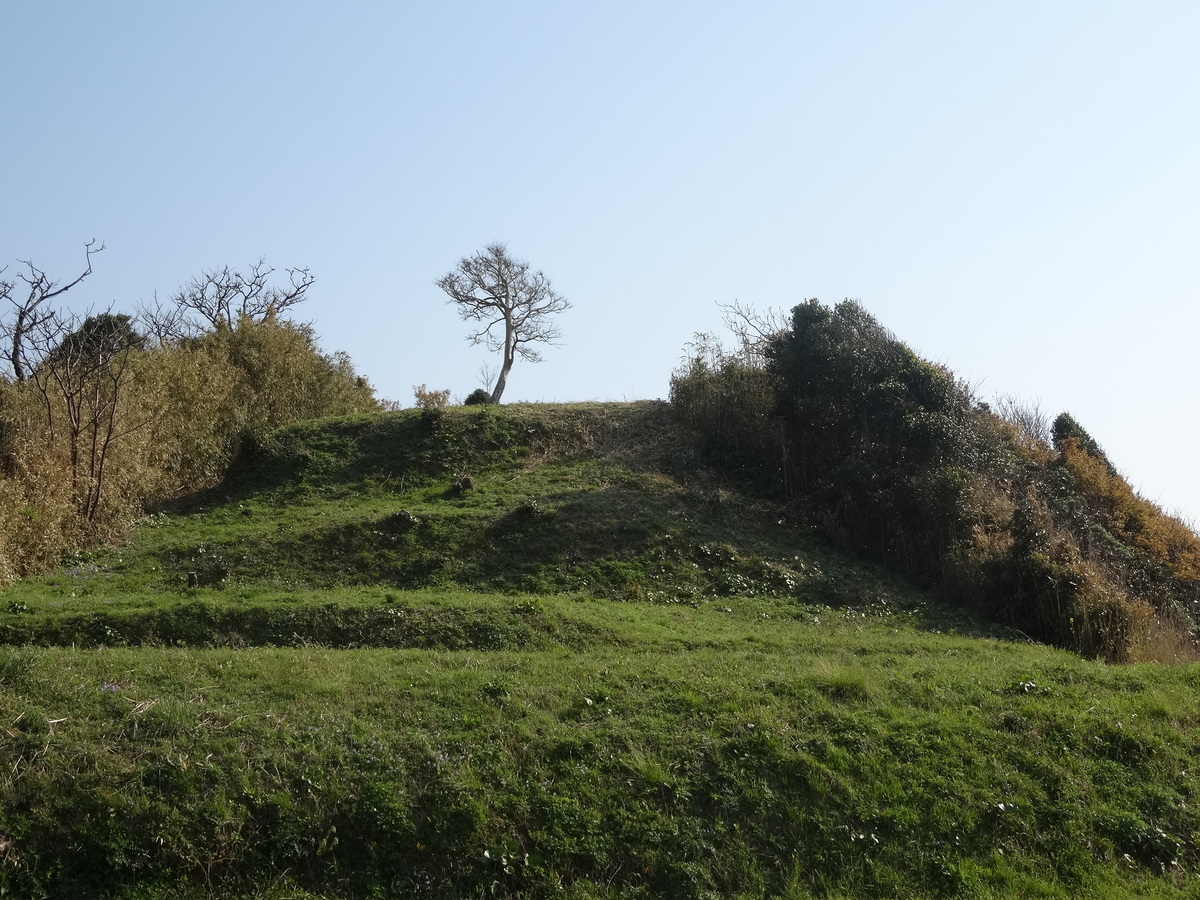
(895, 457)
(728, 398)
(99, 419)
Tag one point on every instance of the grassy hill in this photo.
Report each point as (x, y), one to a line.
(538, 651)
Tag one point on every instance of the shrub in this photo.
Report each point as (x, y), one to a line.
(883, 441)
(1065, 428)
(183, 412)
(477, 397)
(728, 399)
(209, 396)
(430, 399)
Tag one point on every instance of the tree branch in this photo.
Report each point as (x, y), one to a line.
(29, 313)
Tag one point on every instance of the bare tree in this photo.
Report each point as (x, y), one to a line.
(220, 298)
(1028, 417)
(486, 375)
(753, 329)
(80, 370)
(500, 292)
(30, 312)
(166, 323)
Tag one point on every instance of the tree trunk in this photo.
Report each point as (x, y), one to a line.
(510, 353)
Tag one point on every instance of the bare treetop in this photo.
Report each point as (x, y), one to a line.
(513, 305)
(221, 297)
(755, 330)
(30, 312)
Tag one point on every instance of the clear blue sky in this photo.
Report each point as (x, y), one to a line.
(1012, 187)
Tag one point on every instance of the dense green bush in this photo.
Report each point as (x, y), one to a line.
(883, 441)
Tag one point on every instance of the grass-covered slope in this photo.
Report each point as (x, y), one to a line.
(323, 536)
(596, 672)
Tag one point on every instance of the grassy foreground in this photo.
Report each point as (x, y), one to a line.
(596, 672)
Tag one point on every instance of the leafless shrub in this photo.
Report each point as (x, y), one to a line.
(754, 329)
(221, 298)
(1030, 420)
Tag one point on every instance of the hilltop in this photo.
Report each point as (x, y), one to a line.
(542, 650)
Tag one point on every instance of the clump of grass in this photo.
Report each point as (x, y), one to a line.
(15, 665)
(842, 682)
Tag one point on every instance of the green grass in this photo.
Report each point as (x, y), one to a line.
(602, 672)
(857, 761)
(596, 501)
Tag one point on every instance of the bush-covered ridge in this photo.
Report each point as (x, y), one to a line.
(893, 456)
